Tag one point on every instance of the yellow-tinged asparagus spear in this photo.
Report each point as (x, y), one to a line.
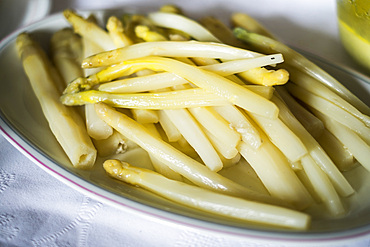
(65, 123)
(163, 100)
(116, 32)
(146, 34)
(224, 69)
(166, 79)
(206, 200)
(298, 61)
(177, 161)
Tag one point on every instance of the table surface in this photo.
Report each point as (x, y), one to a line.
(37, 209)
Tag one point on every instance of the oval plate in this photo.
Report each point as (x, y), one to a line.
(23, 124)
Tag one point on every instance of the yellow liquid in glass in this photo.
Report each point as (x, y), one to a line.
(354, 28)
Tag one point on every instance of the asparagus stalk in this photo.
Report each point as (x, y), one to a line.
(274, 170)
(180, 22)
(205, 200)
(282, 136)
(248, 23)
(212, 82)
(350, 139)
(177, 161)
(293, 58)
(65, 123)
(239, 121)
(315, 150)
(315, 87)
(340, 155)
(66, 49)
(166, 79)
(96, 127)
(169, 49)
(163, 100)
(192, 132)
(197, 31)
(332, 110)
(323, 187)
(116, 32)
(89, 30)
(158, 165)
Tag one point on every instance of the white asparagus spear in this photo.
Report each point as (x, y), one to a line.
(96, 127)
(166, 79)
(315, 150)
(340, 155)
(177, 161)
(333, 111)
(65, 123)
(282, 136)
(274, 170)
(192, 132)
(350, 139)
(186, 25)
(293, 58)
(89, 30)
(205, 200)
(168, 49)
(241, 124)
(157, 164)
(323, 187)
(312, 85)
(66, 49)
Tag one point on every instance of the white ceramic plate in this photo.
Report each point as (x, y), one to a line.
(23, 124)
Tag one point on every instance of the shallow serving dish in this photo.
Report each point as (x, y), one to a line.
(23, 124)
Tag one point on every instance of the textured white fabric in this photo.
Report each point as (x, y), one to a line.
(37, 209)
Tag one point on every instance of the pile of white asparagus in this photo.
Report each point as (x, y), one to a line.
(198, 99)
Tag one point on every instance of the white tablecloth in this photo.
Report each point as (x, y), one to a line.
(37, 209)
